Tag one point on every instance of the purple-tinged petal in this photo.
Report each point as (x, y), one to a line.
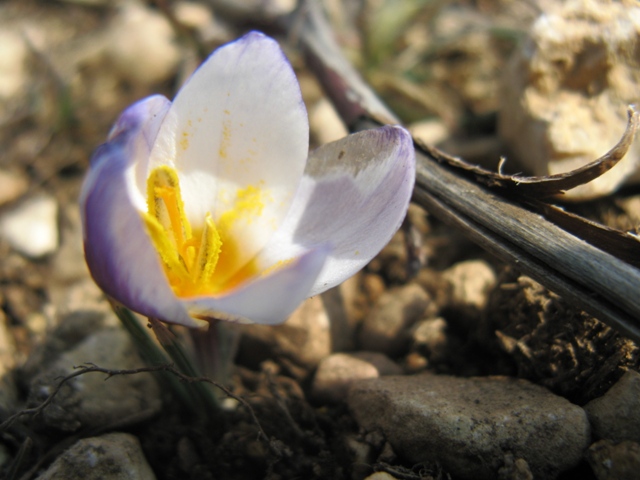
(269, 299)
(118, 250)
(354, 196)
(237, 133)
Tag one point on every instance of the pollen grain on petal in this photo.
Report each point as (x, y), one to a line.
(225, 141)
(184, 141)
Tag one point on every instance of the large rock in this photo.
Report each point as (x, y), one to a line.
(566, 91)
(91, 400)
(114, 456)
(473, 427)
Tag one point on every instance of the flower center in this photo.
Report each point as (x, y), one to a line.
(190, 257)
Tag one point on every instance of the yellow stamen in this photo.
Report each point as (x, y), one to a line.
(191, 258)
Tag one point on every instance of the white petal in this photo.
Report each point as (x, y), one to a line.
(238, 122)
(119, 252)
(354, 195)
(268, 300)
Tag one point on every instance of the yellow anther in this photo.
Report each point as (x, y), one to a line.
(195, 261)
(210, 247)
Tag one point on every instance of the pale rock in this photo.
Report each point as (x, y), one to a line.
(373, 285)
(471, 282)
(201, 19)
(386, 328)
(13, 64)
(32, 227)
(142, 46)
(325, 123)
(8, 390)
(68, 263)
(515, 469)
(381, 476)
(114, 456)
(567, 88)
(473, 426)
(90, 400)
(193, 15)
(338, 371)
(305, 338)
(616, 415)
(345, 306)
(430, 335)
(429, 132)
(12, 185)
(7, 347)
(614, 461)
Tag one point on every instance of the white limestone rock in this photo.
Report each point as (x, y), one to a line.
(32, 227)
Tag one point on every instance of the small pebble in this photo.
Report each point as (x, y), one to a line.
(381, 476)
(336, 372)
(13, 61)
(430, 336)
(305, 338)
(430, 132)
(386, 328)
(142, 45)
(471, 283)
(32, 227)
(12, 185)
(325, 124)
(611, 461)
(373, 285)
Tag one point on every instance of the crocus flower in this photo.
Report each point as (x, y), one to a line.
(211, 207)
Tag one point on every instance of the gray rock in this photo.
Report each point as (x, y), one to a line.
(90, 400)
(386, 328)
(611, 461)
(336, 372)
(114, 456)
(471, 426)
(32, 227)
(616, 415)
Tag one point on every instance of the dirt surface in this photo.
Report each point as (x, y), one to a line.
(438, 64)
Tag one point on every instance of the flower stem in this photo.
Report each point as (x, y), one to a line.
(171, 344)
(196, 396)
(215, 348)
